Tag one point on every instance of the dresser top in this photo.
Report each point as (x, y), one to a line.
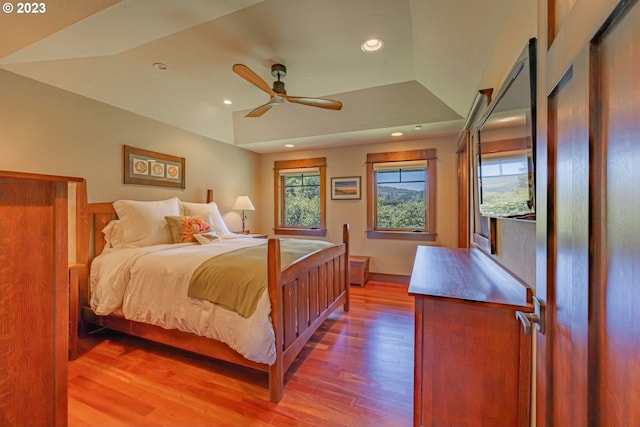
(464, 274)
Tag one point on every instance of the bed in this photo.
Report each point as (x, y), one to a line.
(299, 295)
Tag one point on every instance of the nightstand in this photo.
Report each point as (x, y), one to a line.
(254, 235)
(258, 235)
(358, 269)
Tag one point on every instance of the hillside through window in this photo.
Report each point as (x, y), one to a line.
(505, 184)
(401, 195)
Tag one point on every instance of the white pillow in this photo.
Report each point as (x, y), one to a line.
(204, 209)
(114, 235)
(143, 223)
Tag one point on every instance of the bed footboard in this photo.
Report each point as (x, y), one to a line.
(308, 291)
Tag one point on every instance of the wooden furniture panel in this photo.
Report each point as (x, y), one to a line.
(74, 277)
(34, 299)
(358, 269)
(472, 358)
(557, 14)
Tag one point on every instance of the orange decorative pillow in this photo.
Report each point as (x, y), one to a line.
(184, 227)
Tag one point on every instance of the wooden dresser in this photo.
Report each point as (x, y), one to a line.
(34, 299)
(472, 358)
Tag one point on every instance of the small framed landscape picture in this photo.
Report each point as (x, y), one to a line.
(345, 188)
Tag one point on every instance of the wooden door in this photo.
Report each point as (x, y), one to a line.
(588, 361)
(616, 237)
(568, 249)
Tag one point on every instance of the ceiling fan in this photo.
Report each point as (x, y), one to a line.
(278, 94)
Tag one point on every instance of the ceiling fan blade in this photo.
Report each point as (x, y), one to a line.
(248, 74)
(329, 104)
(258, 111)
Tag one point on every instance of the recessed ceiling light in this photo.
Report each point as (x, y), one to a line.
(397, 134)
(372, 45)
(418, 127)
(160, 66)
(289, 145)
(227, 102)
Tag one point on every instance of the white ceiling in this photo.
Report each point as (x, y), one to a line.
(437, 54)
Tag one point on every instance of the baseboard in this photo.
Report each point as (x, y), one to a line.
(391, 278)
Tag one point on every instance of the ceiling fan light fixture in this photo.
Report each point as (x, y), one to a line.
(372, 45)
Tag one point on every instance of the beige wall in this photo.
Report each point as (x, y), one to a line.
(387, 256)
(47, 130)
(51, 131)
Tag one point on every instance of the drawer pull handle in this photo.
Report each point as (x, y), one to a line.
(527, 319)
(537, 317)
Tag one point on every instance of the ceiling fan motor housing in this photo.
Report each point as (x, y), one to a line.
(278, 87)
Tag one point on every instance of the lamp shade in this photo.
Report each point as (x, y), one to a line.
(243, 203)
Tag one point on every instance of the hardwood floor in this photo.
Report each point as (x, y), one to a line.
(357, 370)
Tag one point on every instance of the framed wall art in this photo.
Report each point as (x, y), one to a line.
(150, 168)
(345, 188)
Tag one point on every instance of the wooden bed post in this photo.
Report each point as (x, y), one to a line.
(345, 240)
(82, 259)
(276, 371)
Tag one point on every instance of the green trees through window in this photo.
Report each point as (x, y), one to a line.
(302, 200)
(299, 190)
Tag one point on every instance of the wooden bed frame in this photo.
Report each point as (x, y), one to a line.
(302, 295)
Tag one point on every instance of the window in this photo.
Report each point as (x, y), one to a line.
(401, 191)
(300, 197)
(505, 183)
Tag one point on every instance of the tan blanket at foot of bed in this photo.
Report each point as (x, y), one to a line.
(235, 280)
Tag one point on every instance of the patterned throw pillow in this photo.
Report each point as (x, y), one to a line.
(183, 228)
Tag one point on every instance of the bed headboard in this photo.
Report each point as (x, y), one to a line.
(100, 214)
(91, 219)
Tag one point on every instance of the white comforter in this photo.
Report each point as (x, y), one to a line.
(150, 285)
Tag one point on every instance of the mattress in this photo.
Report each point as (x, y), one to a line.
(149, 284)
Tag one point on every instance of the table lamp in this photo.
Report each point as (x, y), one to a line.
(243, 203)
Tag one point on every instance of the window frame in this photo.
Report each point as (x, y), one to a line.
(319, 163)
(429, 156)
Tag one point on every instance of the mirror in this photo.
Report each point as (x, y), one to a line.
(505, 151)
